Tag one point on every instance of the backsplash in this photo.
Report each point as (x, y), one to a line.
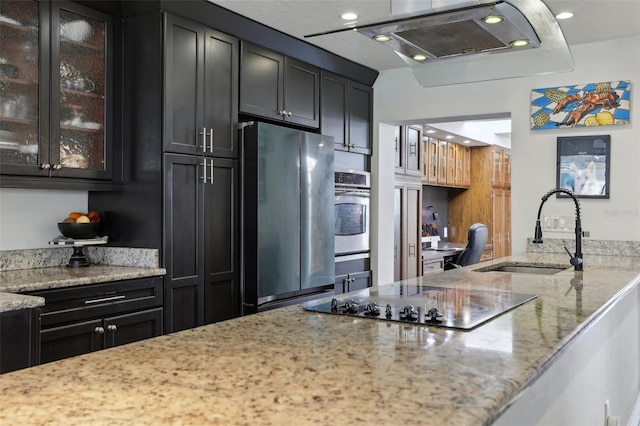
(601, 247)
(59, 256)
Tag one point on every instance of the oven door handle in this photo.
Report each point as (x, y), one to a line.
(361, 193)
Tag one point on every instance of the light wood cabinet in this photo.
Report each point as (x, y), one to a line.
(445, 163)
(485, 201)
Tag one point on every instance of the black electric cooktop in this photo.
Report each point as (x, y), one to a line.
(459, 308)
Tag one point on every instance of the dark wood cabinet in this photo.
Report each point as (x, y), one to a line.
(57, 117)
(353, 275)
(200, 90)
(410, 151)
(83, 319)
(346, 113)
(277, 87)
(19, 339)
(180, 198)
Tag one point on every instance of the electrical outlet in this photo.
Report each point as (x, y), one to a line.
(558, 223)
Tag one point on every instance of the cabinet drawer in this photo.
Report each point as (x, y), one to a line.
(429, 266)
(487, 254)
(79, 303)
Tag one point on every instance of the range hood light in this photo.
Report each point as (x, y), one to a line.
(519, 43)
(419, 57)
(493, 19)
(382, 38)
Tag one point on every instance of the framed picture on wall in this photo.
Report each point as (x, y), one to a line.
(583, 165)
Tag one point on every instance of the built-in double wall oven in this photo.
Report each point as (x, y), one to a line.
(353, 195)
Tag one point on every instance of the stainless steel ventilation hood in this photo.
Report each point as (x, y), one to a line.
(458, 46)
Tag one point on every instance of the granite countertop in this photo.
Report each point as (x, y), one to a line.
(290, 366)
(29, 270)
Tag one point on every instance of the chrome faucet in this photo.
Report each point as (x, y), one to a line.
(576, 260)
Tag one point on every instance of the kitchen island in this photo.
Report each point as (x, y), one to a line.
(290, 366)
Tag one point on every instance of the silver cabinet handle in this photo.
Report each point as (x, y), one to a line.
(412, 249)
(105, 299)
(56, 166)
(204, 170)
(289, 113)
(112, 327)
(204, 139)
(45, 166)
(211, 141)
(211, 172)
(98, 330)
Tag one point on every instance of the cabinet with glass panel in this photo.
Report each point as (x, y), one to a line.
(55, 90)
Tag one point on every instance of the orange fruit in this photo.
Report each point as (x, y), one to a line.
(75, 215)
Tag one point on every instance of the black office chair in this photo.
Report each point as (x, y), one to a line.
(476, 242)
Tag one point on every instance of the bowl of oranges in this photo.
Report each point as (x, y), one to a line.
(80, 226)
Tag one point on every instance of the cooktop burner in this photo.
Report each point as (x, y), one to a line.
(460, 308)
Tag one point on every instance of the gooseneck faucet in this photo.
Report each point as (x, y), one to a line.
(577, 260)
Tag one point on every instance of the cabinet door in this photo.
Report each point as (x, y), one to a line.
(183, 250)
(301, 93)
(412, 140)
(183, 86)
(221, 94)
(81, 92)
(222, 246)
(359, 281)
(497, 224)
(398, 159)
(71, 340)
(498, 166)
(506, 168)
(466, 166)
(413, 215)
(24, 96)
(398, 240)
(19, 339)
(432, 160)
(360, 117)
(506, 221)
(442, 162)
(261, 82)
(451, 164)
(334, 120)
(128, 328)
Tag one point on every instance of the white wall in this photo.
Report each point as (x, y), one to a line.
(29, 217)
(399, 97)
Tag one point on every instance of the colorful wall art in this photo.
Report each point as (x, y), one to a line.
(584, 105)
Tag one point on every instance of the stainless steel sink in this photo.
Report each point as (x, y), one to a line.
(513, 268)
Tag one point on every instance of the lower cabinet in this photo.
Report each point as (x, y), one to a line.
(407, 226)
(83, 319)
(352, 275)
(432, 265)
(19, 339)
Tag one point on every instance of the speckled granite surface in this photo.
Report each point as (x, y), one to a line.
(603, 247)
(293, 367)
(59, 256)
(38, 269)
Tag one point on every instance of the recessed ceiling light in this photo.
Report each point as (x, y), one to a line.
(349, 16)
(519, 43)
(418, 57)
(493, 19)
(382, 38)
(564, 15)
(466, 141)
(431, 131)
(449, 136)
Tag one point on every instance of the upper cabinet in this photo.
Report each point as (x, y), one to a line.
(346, 113)
(446, 163)
(409, 151)
(55, 90)
(277, 87)
(200, 90)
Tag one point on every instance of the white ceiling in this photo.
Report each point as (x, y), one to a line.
(594, 20)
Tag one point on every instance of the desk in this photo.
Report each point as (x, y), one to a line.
(433, 258)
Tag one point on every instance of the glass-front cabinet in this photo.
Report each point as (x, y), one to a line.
(55, 86)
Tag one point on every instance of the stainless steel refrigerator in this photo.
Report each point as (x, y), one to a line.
(288, 216)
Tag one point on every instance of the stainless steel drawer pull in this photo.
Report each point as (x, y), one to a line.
(106, 299)
(112, 327)
(99, 330)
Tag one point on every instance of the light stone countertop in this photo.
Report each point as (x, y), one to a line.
(289, 366)
(22, 271)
